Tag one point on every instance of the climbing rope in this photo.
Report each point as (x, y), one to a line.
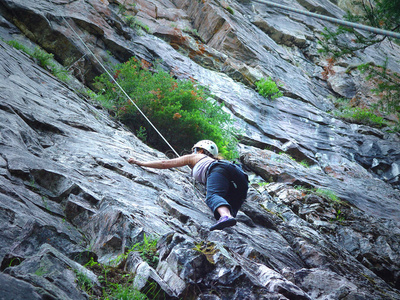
(334, 20)
(195, 189)
(119, 86)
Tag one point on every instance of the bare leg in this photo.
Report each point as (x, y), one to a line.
(224, 211)
(226, 219)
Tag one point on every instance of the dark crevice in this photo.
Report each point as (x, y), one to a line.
(36, 124)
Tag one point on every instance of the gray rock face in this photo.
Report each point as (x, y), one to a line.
(68, 194)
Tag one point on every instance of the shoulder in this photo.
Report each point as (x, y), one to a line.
(194, 158)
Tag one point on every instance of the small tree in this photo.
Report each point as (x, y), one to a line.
(183, 111)
(384, 14)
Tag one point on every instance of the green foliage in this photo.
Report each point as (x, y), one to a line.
(304, 163)
(130, 20)
(182, 111)
(115, 283)
(44, 59)
(268, 88)
(208, 249)
(230, 10)
(121, 9)
(328, 195)
(388, 86)
(147, 250)
(83, 281)
(41, 271)
(45, 202)
(92, 263)
(15, 261)
(126, 293)
(339, 216)
(134, 23)
(361, 116)
(333, 44)
(332, 199)
(275, 213)
(142, 134)
(19, 46)
(383, 14)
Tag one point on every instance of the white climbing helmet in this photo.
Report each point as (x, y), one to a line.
(207, 145)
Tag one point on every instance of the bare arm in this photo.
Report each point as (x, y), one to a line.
(186, 160)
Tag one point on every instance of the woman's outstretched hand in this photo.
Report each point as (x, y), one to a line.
(133, 161)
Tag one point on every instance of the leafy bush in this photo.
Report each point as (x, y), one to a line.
(361, 116)
(330, 195)
(19, 46)
(83, 281)
(230, 10)
(147, 250)
(119, 292)
(181, 110)
(388, 86)
(134, 23)
(346, 41)
(44, 59)
(267, 88)
(115, 283)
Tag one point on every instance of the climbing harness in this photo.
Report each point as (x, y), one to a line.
(334, 20)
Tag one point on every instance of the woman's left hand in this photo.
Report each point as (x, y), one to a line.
(133, 161)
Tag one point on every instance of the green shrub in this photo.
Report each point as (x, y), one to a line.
(83, 281)
(330, 195)
(305, 164)
(361, 116)
(19, 46)
(142, 134)
(134, 23)
(268, 88)
(119, 292)
(44, 59)
(387, 86)
(181, 110)
(147, 250)
(230, 10)
(115, 283)
(347, 42)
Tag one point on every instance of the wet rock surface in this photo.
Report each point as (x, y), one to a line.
(67, 193)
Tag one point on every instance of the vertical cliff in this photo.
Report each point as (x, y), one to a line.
(327, 229)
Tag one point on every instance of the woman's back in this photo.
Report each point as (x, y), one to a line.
(199, 171)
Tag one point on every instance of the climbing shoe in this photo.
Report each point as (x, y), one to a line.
(223, 222)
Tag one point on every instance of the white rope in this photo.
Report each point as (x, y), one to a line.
(195, 189)
(123, 91)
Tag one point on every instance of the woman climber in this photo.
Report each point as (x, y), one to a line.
(226, 183)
